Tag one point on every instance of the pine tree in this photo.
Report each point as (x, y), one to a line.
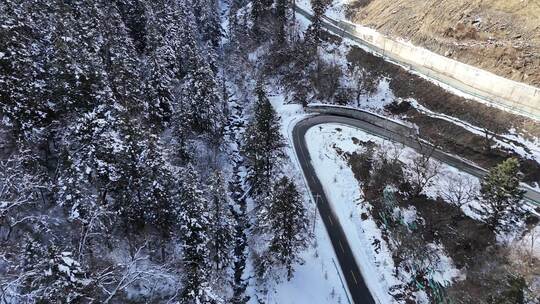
(263, 143)
(166, 31)
(134, 17)
(96, 163)
(236, 31)
(501, 196)
(22, 70)
(258, 9)
(78, 78)
(195, 231)
(189, 55)
(48, 65)
(315, 29)
(282, 7)
(201, 100)
(181, 130)
(207, 14)
(285, 220)
(256, 13)
(158, 89)
(154, 193)
(121, 63)
(222, 222)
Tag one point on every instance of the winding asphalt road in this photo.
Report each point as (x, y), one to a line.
(358, 290)
(347, 30)
(353, 276)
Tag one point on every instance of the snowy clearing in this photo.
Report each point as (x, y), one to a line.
(318, 279)
(345, 194)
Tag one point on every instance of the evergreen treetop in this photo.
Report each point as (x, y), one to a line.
(263, 142)
(501, 195)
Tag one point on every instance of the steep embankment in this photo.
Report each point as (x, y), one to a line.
(501, 36)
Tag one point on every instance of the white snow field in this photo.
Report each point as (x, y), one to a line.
(318, 279)
(346, 197)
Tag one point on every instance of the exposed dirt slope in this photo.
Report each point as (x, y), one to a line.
(501, 36)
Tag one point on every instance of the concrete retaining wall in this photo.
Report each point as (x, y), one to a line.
(506, 93)
(374, 119)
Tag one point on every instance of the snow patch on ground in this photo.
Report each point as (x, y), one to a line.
(381, 98)
(336, 10)
(512, 141)
(318, 279)
(344, 193)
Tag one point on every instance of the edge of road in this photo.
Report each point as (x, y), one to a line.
(290, 137)
(396, 129)
(357, 289)
(376, 125)
(344, 29)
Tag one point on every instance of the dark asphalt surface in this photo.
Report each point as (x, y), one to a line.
(359, 292)
(531, 195)
(349, 267)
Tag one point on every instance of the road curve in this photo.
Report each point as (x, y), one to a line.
(347, 30)
(382, 127)
(353, 276)
(355, 282)
(531, 195)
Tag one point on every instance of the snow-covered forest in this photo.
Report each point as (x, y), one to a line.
(146, 157)
(130, 171)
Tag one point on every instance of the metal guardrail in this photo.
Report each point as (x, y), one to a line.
(409, 133)
(369, 117)
(341, 280)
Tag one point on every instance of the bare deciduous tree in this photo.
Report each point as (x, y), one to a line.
(137, 269)
(364, 83)
(94, 227)
(534, 234)
(415, 254)
(422, 169)
(459, 191)
(20, 191)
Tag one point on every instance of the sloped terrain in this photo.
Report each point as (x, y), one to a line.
(501, 36)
